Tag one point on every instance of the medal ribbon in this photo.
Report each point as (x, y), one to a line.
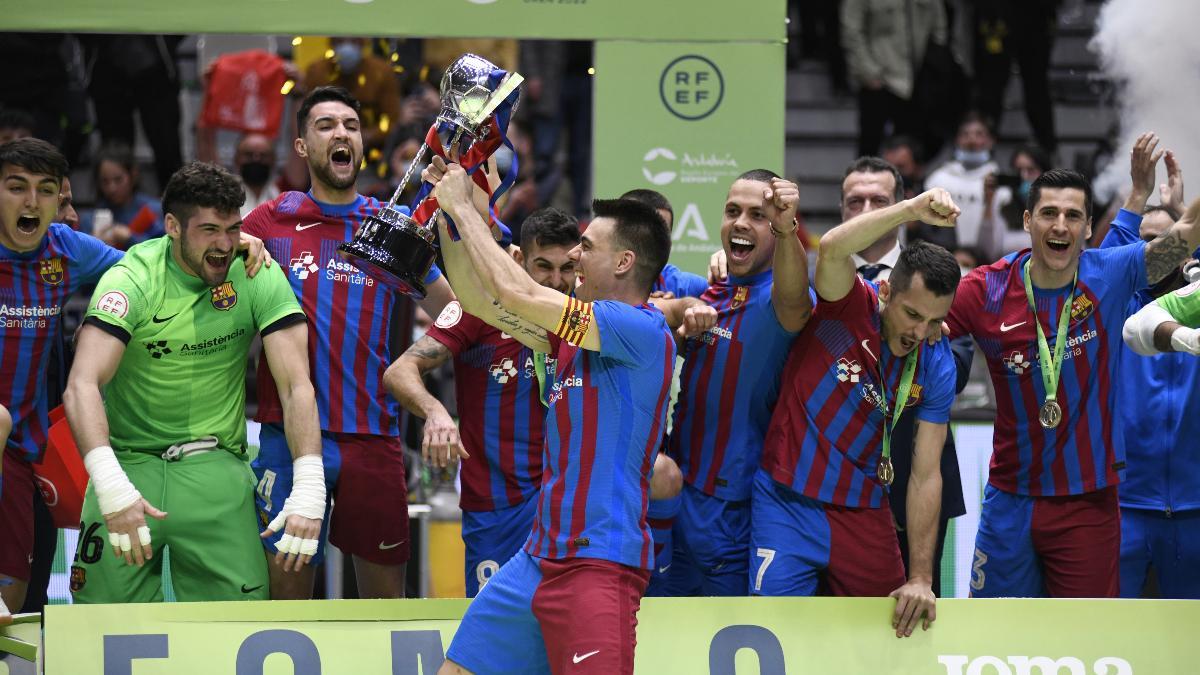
(1050, 372)
(890, 419)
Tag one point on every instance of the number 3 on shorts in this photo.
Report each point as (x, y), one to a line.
(264, 488)
(767, 555)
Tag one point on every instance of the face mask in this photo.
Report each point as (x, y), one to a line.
(256, 174)
(1023, 190)
(349, 55)
(972, 159)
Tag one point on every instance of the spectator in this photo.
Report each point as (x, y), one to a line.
(963, 177)
(123, 216)
(138, 72)
(369, 78)
(885, 46)
(1020, 30)
(904, 153)
(254, 161)
(403, 146)
(14, 124)
(560, 97)
(67, 215)
(1003, 228)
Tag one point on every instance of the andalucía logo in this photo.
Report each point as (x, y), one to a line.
(51, 271)
(224, 297)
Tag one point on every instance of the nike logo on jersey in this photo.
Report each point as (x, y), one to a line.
(301, 228)
(577, 658)
(250, 590)
(663, 570)
(867, 346)
(388, 547)
(1004, 328)
(155, 318)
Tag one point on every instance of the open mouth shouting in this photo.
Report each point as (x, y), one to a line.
(28, 225)
(342, 158)
(217, 262)
(908, 344)
(1058, 245)
(740, 248)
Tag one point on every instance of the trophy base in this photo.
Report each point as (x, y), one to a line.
(394, 250)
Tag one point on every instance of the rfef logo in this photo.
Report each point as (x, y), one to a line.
(691, 87)
(224, 297)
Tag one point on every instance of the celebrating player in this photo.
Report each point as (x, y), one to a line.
(503, 419)
(174, 409)
(350, 327)
(730, 381)
(819, 510)
(588, 557)
(1049, 322)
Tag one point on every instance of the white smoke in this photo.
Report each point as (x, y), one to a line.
(1149, 48)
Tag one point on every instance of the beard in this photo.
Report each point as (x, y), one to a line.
(324, 174)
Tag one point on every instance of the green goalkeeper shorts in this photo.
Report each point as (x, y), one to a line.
(210, 530)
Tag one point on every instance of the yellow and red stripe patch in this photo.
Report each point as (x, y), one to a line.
(575, 321)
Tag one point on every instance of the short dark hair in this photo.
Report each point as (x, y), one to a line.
(15, 118)
(639, 229)
(1035, 152)
(321, 95)
(902, 141)
(652, 198)
(936, 265)
(118, 153)
(34, 155)
(1155, 209)
(758, 176)
(549, 227)
(201, 185)
(1059, 179)
(973, 116)
(873, 164)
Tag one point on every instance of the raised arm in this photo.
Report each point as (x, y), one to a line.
(499, 275)
(1167, 252)
(441, 444)
(99, 353)
(789, 289)
(286, 350)
(835, 269)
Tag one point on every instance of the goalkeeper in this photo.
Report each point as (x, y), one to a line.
(166, 336)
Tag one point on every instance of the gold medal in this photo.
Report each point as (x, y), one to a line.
(1050, 414)
(885, 471)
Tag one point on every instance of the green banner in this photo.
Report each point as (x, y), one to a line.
(551, 19)
(718, 636)
(686, 119)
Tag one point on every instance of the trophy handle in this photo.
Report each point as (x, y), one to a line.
(417, 158)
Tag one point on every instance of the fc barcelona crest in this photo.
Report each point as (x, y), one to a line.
(51, 271)
(739, 297)
(1081, 308)
(223, 296)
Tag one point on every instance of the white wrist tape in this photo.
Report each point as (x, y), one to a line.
(1139, 328)
(113, 489)
(308, 491)
(1186, 340)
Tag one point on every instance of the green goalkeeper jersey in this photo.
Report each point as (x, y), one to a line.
(182, 376)
(1183, 305)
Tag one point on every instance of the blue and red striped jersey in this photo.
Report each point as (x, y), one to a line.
(349, 313)
(826, 436)
(728, 388)
(1083, 453)
(34, 286)
(607, 412)
(502, 421)
(679, 283)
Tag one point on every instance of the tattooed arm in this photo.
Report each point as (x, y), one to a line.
(1164, 254)
(441, 444)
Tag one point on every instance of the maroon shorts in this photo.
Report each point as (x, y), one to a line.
(370, 499)
(16, 517)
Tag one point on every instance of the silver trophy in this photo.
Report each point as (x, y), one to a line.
(398, 249)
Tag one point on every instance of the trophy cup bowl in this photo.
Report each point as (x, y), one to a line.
(393, 247)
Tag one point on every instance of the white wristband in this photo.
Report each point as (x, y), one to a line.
(1186, 340)
(308, 491)
(1138, 331)
(113, 489)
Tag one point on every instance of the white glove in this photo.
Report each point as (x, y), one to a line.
(114, 492)
(307, 499)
